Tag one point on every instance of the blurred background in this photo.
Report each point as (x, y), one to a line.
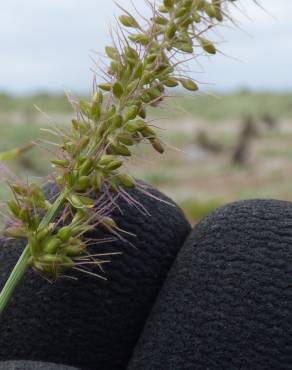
(231, 141)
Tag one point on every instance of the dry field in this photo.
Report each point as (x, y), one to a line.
(198, 179)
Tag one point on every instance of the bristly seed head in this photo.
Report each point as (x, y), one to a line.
(143, 65)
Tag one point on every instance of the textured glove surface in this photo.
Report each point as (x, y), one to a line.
(227, 301)
(31, 365)
(90, 323)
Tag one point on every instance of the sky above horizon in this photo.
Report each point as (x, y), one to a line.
(48, 45)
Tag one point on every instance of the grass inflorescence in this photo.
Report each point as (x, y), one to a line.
(145, 61)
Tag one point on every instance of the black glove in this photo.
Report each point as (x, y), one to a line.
(30, 365)
(91, 323)
(227, 301)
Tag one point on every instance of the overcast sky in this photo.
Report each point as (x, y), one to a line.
(47, 44)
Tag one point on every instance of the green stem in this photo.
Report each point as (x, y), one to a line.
(22, 263)
(14, 278)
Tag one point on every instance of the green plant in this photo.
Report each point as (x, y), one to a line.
(11, 154)
(144, 61)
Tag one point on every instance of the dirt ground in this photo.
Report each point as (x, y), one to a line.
(198, 178)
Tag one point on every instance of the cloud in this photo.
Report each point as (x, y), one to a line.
(47, 45)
